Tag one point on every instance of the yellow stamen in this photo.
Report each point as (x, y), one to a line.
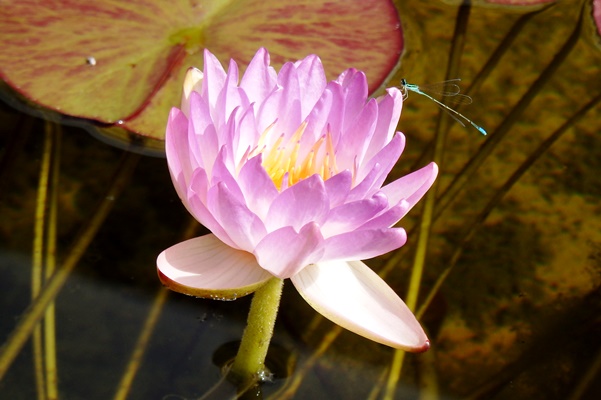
(282, 159)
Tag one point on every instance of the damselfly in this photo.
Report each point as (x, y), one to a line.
(449, 89)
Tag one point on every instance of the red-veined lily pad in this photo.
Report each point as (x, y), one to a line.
(122, 63)
(595, 21)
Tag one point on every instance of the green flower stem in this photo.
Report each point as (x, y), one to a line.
(249, 365)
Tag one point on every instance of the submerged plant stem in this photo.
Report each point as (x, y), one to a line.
(249, 365)
(427, 217)
(137, 355)
(462, 178)
(499, 195)
(50, 358)
(38, 258)
(17, 339)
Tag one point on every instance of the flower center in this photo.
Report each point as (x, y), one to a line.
(286, 166)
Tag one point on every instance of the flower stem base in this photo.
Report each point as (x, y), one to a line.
(249, 364)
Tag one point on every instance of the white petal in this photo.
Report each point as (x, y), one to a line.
(356, 298)
(207, 267)
(192, 82)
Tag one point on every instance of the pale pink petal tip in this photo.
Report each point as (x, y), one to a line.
(206, 267)
(192, 83)
(356, 298)
(425, 348)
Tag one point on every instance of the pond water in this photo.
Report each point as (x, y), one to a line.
(516, 318)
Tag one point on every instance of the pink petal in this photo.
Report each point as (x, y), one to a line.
(243, 226)
(259, 79)
(286, 107)
(203, 141)
(360, 245)
(298, 205)
(284, 252)
(355, 90)
(231, 96)
(356, 298)
(372, 175)
(355, 139)
(197, 198)
(214, 78)
(411, 187)
(388, 218)
(257, 187)
(222, 173)
(338, 187)
(267, 114)
(326, 117)
(319, 122)
(312, 81)
(177, 151)
(350, 216)
(389, 112)
(246, 136)
(206, 267)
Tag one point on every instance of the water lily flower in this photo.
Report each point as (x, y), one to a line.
(286, 170)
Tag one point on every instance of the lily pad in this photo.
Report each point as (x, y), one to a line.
(122, 63)
(594, 28)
